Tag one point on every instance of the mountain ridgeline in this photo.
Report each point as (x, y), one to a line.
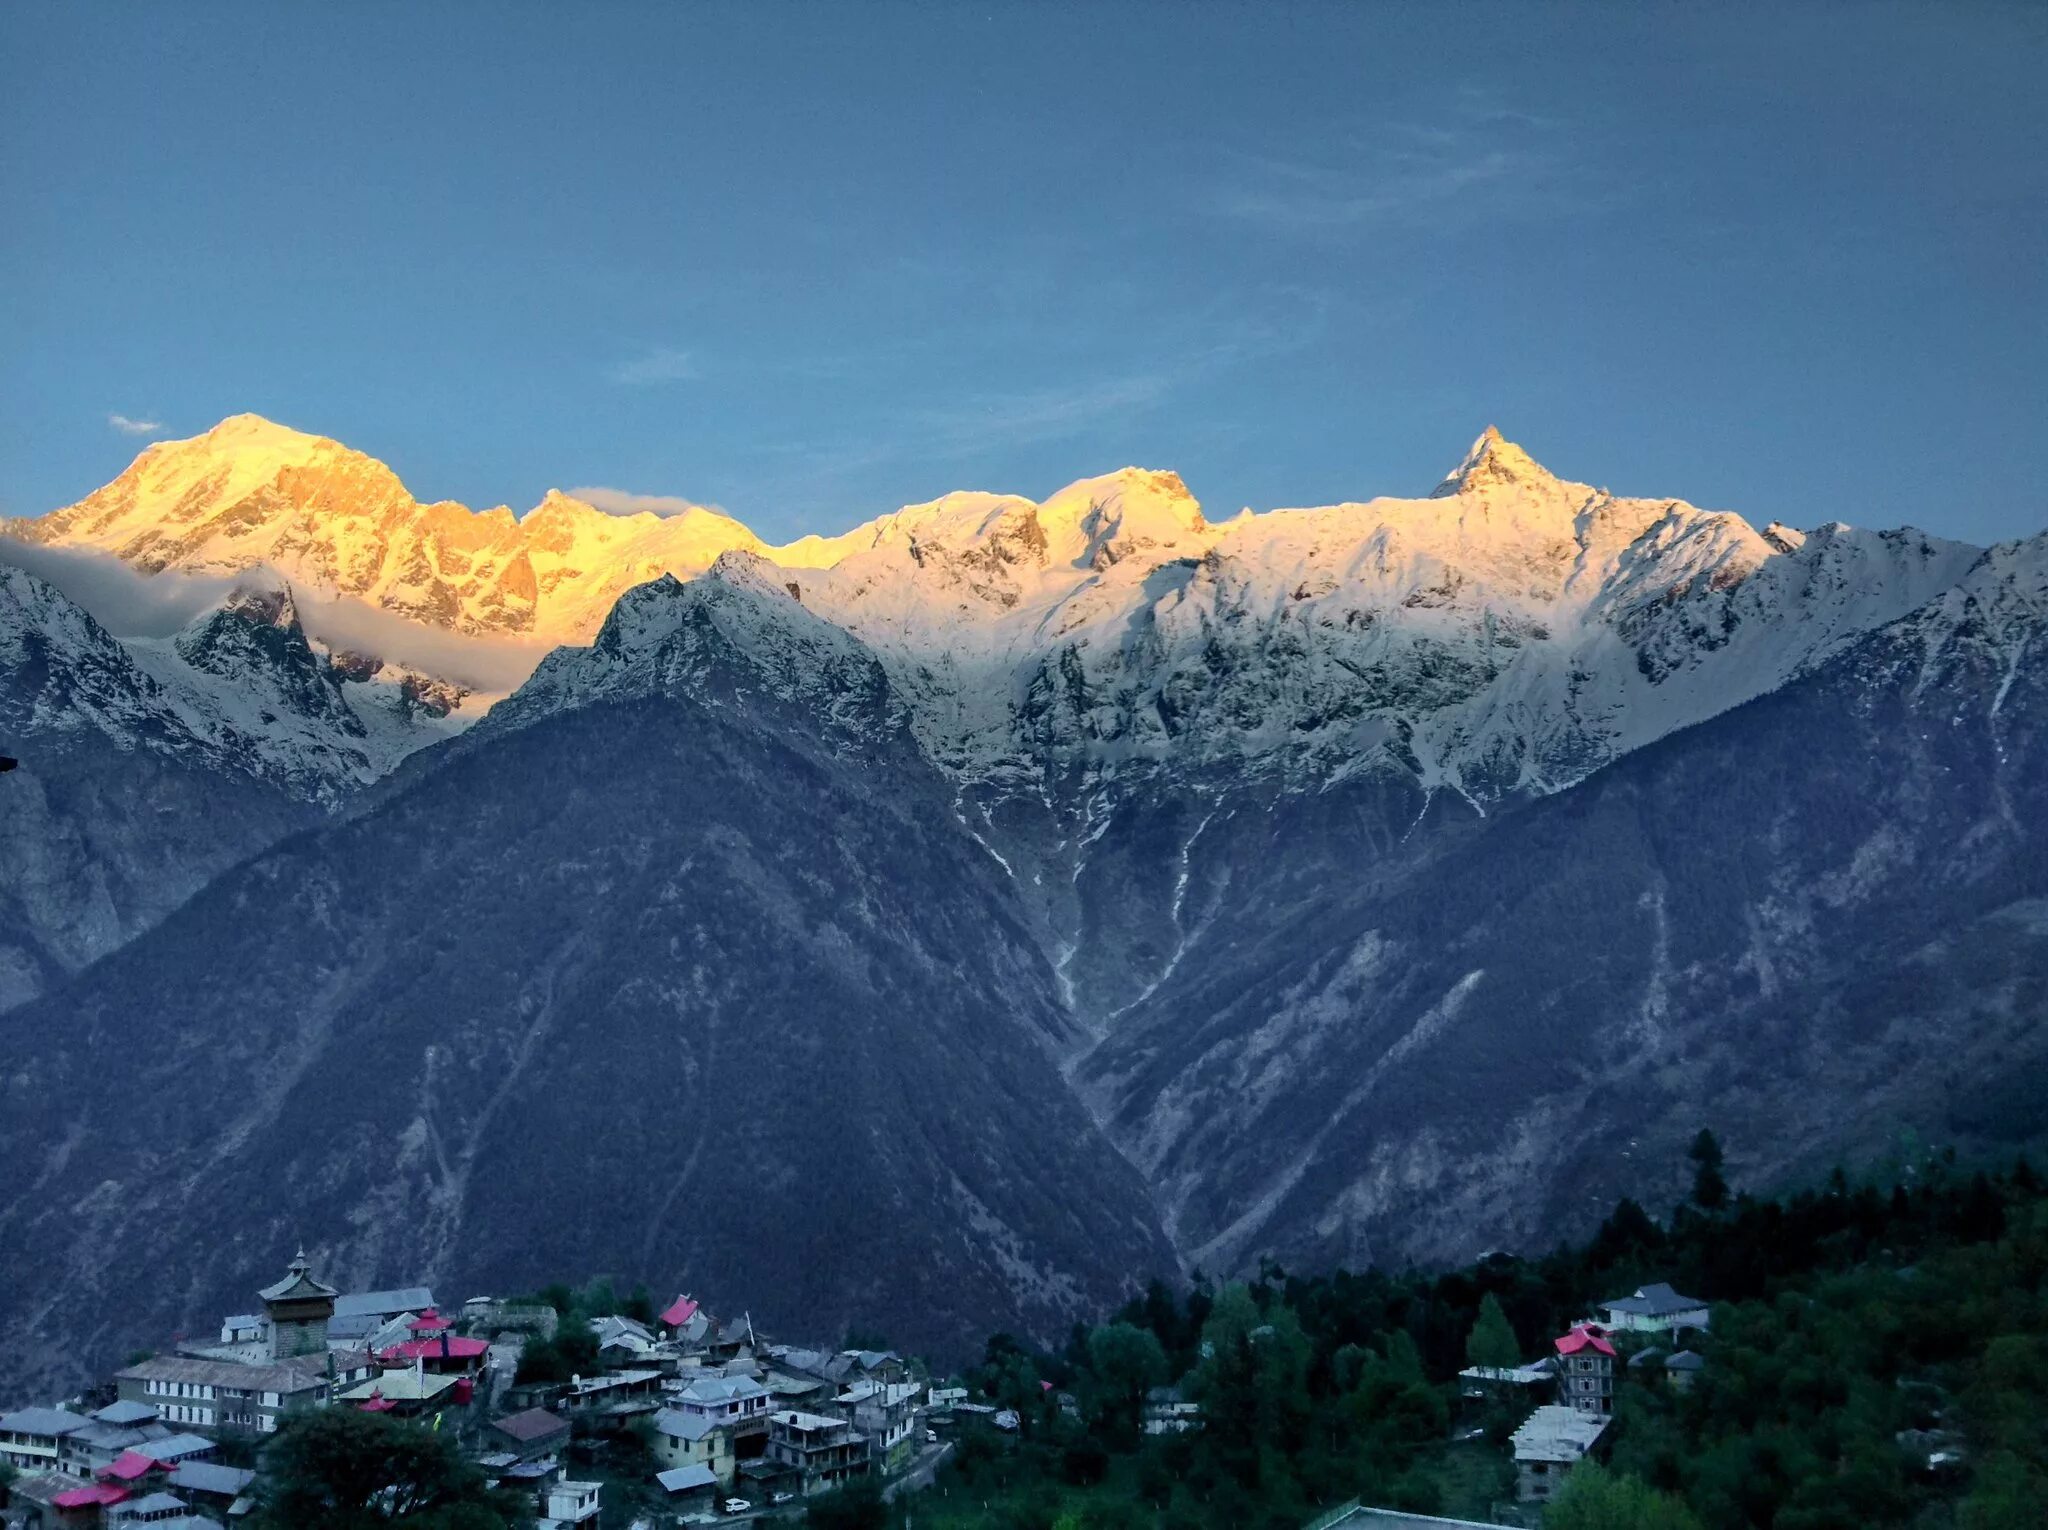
(945, 925)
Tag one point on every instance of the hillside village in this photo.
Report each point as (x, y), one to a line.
(730, 1424)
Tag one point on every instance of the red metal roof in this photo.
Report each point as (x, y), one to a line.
(1586, 1335)
(428, 1319)
(450, 1348)
(131, 1464)
(85, 1497)
(681, 1311)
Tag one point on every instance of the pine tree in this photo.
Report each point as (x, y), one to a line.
(1709, 1189)
(1492, 1341)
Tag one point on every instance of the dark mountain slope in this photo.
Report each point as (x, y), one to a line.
(124, 805)
(670, 974)
(1810, 922)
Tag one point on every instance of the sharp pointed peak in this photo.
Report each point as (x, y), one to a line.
(1492, 459)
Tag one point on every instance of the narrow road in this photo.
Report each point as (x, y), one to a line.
(919, 1476)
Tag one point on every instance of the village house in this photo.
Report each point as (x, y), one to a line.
(30, 1438)
(690, 1489)
(566, 1504)
(430, 1342)
(616, 1396)
(620, 1339)
(226, 1394)
(1168, 1411)
(714, 1422)
(408, 1394)
(1683, 1368)
(885, 1412)
(361, 1315)
(1549, 1443)
(731, 1341)
(532, 1435)
(1655, 1309)
(686, 1324)
(1522, 1381)
(222, 1491)
(1585, 1371)
(821, 1453)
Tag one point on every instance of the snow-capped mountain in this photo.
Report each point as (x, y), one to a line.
(1511, 631)
(1098, 671)
(332, 521)
(1386, 880)
(150, 765)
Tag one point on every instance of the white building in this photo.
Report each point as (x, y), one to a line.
(1655, 1309)
(569, 1503)
(1550, 1442)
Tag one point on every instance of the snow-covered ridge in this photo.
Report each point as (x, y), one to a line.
(1510, 631)
(240, 689)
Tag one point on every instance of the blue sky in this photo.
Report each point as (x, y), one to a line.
(810, 263)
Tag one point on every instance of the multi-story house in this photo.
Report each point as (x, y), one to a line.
(1585, 1371)
(824, 1453)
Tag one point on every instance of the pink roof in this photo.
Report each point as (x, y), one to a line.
(429, 1349)
(681, 1311)
(378, 1403)
(85, 1497)
(1581, 1337)
(131, 1464)
(428, 1319)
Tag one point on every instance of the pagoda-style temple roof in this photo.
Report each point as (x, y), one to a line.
(298, 1285)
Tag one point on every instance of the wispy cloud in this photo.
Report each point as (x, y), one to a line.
(1191, 349)
(1480, 161)
(130, 604)
(658, 364)
(134, 427)
(625, 502)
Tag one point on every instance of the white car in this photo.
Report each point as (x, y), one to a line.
(931, 1437)
(737, 1506)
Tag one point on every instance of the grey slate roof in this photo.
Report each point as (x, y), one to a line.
(175, 1447)
(54, 1422)
(533, 1424)
(682, 1479)
(125, 1413)
(678, 1425)
(712, 1390)
(383, 1304)
(211, 1477)
(1686, 1360)
(284, 1377)
(1657, 1300)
